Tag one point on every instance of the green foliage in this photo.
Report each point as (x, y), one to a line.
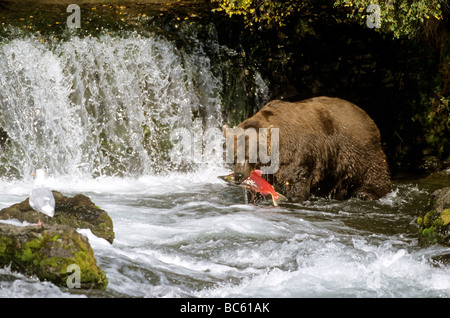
(399, 17)
(437, 123)
(261, 11)
(435, 101)
(434, 227)
(48, 256)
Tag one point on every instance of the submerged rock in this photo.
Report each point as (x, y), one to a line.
(48, 251)
(76, 212)
(435, 222)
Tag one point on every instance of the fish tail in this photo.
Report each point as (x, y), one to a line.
(277, 197)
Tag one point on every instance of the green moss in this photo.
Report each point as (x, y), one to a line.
(428, 217)
(3, 245)
(28, 251)
(445, 217)
(428, 236)
(5, 248)
(49, 255)
(434, 227)
(419, 221)
(428, 231)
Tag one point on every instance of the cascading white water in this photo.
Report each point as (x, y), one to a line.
(108, 105)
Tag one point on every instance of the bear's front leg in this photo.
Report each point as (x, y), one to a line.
(297, 186)
(298, 190)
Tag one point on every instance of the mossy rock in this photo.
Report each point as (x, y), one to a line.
(47, 251)
(77, 212)
(435, 222)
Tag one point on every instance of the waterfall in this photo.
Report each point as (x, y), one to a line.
(123, 105)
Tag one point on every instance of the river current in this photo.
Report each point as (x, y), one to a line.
(190, 235)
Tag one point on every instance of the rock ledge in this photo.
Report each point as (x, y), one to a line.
(47, 251)
(76, 212)
(435, 222)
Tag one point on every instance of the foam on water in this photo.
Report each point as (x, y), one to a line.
(336, 270)
(178, 238)
(125, 106)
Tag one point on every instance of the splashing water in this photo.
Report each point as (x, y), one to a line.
(110, 105)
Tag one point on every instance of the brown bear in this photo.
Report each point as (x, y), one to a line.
(327, 147)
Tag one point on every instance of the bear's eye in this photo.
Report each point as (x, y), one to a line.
(286, 183)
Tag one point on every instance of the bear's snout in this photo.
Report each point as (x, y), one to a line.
(242, 171)
(238, 177)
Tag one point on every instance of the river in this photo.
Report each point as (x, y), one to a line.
(190, 235)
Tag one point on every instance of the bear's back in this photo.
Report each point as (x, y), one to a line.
(324, 116)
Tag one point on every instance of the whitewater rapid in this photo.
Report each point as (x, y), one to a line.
(190, 235)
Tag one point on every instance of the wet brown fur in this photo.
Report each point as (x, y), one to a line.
(327, 147)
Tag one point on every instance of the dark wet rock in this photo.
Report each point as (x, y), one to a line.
(48, 252)
(435, 221)
(431, 164)
(76, 212)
